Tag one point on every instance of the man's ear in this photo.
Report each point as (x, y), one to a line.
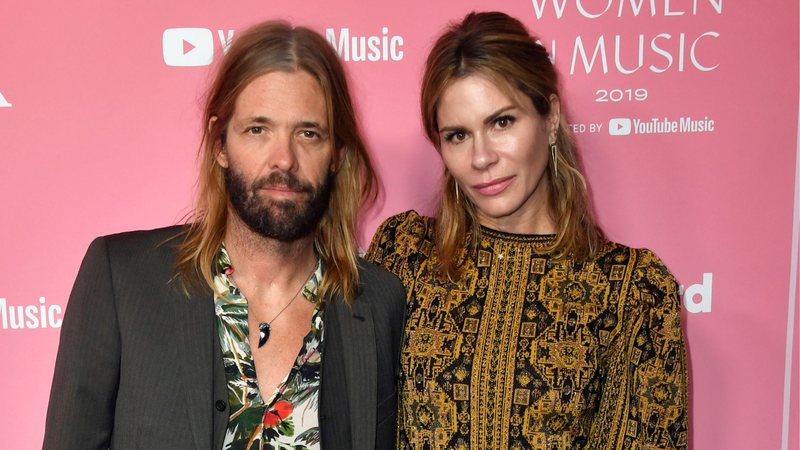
(219, 148)
(221, 156)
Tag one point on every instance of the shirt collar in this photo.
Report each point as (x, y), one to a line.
(224, 269)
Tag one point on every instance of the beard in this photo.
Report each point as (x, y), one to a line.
(284, 220)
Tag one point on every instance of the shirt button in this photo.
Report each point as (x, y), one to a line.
(220, 405)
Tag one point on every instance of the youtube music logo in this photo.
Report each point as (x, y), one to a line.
(619, 126)
(187, 47)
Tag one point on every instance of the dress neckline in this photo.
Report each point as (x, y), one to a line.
(517, 237)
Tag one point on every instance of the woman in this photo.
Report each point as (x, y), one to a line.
(526, 327)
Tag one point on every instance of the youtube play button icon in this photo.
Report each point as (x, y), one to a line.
(619, 126)
(188, 46)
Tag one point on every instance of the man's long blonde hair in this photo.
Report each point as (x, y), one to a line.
(265, 48)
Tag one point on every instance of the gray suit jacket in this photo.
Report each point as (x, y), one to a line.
(139, 364)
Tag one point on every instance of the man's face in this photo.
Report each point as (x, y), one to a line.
(279, 155)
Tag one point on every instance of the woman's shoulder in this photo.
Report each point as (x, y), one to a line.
(408, 226)
(626, 254)
(400, 237)
(647, 272)
(408, 222)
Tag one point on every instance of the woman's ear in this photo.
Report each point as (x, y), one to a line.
(554, 117)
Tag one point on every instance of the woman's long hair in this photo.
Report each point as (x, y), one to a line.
(265, 48)
(499, 48)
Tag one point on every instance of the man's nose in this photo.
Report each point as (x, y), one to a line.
(283, 152)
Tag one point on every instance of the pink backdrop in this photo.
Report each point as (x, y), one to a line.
(99, 124)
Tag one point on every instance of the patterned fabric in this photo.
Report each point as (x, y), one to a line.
(529, 352)
(289, 418)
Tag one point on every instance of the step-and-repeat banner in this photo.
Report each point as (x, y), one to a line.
(686, 112)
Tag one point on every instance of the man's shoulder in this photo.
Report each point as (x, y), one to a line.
(144, 238)
(380, 284)
(372, 273)
(137, 248)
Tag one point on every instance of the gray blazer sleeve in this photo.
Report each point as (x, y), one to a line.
(83, 395)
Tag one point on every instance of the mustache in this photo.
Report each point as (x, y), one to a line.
(282, 179)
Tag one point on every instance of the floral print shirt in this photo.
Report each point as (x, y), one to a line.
(288, 419)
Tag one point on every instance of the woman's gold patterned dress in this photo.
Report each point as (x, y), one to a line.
(529, 352)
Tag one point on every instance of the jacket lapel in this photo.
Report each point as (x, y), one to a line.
(202, 376)
(358, 342)
(194, 316)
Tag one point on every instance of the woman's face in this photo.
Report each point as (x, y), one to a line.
(497, 149)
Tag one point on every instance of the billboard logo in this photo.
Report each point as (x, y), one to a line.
(619, 126)
(697, 297)
(3, 102)
(186, 47)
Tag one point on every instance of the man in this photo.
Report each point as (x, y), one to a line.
(256, 326)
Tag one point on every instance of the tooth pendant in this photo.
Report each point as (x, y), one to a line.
(263, 333)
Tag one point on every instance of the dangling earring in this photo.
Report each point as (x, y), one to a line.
(554, 155)
(457, 197)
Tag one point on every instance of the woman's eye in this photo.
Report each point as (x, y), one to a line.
(456, 136)
(504, 121)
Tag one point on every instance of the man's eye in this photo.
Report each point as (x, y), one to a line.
(309, 134)
(255, 130)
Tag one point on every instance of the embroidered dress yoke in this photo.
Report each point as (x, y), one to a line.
(288, 418)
